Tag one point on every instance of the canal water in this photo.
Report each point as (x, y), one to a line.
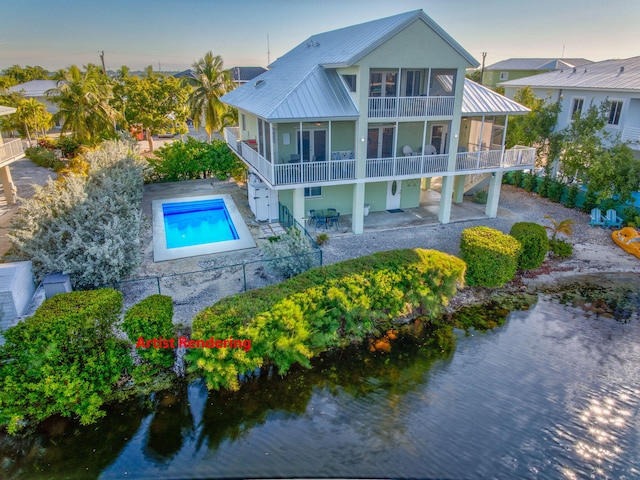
(554, 393)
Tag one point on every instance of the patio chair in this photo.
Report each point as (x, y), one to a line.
(335, 220)
(596, 218)
(430, 150)
(407, 151)
(321, 222)
(611, 220)
(312, 217)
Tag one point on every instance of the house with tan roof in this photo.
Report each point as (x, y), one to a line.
(362, 118)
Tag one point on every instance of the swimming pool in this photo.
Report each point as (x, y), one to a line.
(190, 226)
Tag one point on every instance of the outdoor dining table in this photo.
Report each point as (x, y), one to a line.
(325, 214)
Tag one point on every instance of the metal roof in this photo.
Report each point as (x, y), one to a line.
(538, 63)
(302, 84)
(606, 75)
(6, 110)
(244, 74)
(34, 88)
(479, 100)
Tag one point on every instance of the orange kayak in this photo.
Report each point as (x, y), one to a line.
(628, 239)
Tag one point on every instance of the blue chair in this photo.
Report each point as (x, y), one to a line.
(312, 217)
(596, 218)
(334, 220)
(611, 220)
(321, 222)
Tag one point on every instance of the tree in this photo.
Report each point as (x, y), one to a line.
(83, 100)
(212, 82)
(155, 101)
(476, 75)
(31, 116)
(536, 128)
(565, 227)
(26, 74)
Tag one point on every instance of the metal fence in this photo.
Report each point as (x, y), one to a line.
(193, 291)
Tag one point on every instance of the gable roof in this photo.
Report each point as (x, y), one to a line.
(303, 83)
(34, 88)
(538, 63)
(479, 100)
(620, 74)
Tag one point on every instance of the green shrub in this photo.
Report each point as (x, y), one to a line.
(325, 307)
(152, 318)
(89, 225)
(518, 177)
(491, 256)
(44, 158)
(572, 196)
(543, 190)
(193, 159)
(631, 216)
(556, 190)
(561, 248)
(530, 181)
(534, 244)
(480, 196)
(590, 202)
(65, 359)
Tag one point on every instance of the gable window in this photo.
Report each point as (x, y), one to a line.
(576, 107)
(614, 112)
(310, 192)
(504, 76)
(350, 82)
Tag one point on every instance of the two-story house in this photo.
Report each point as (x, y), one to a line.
(613, 81)
(515, 68)
(362, 117)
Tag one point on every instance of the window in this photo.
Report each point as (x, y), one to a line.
(382, 84)
(310, 192)
(576, 107)
(504, 76)
(412, 83)
(350, 82)
(442, 82)
(614, 112)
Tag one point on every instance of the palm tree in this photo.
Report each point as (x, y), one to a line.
(32, 116)
(211, 82)
(83, 103)
(564, 227)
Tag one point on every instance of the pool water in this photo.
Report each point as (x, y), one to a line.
(195, 223)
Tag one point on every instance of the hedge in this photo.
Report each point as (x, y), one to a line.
(325, 307)
(65, 359)
(491, 256)
(151, 318)
(534, 242)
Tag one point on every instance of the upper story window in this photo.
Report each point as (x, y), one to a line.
(504, 76)
(576, 107)
(383, 83)
(442, 82)
(614, 112)
(350, 81)
(411, 82)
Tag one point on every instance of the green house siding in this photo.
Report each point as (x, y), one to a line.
(410, 193)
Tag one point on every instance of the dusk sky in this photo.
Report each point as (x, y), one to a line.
(172, 34)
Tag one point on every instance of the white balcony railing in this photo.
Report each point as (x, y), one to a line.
(414, 166)
(11, 150)
(385, 107)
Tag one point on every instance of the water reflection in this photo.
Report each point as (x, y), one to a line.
(551, 394)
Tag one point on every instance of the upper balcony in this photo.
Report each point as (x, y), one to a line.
(10, 151)
(343, 170)
(403, 107)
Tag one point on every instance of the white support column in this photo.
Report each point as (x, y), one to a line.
(493, 196)
(299, 212)
(458, 188)
(357, 216)
(444, 212)
(7, 185)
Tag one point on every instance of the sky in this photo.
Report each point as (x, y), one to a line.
(171, 35)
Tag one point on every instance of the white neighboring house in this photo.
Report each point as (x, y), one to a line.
(10, 151)
(617, 81)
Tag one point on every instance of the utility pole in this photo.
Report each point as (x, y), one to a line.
(104, 68)
(484, 55)
(268, 51)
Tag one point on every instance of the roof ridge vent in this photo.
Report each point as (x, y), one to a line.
(258, 83)
(313, 43)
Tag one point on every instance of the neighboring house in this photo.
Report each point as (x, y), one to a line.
(240, 75)
(616, 81)
(363, 117)
(515, 68)
(38, 89)
(10, 151)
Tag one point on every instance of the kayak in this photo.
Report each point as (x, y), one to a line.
(628, 239)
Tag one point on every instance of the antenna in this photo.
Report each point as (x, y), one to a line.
(268, 52)
(562, 50)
